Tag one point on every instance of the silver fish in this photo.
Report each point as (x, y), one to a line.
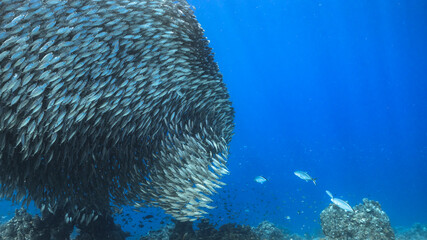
(260, 179)
(340, 203)
(305, 176)
(139, 96)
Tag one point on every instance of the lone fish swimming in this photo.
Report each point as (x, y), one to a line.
(305, 176)
(260, 179)
(340, 203)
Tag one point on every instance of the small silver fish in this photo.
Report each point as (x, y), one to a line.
(305, 176)
(340, 203)
(260, 179)
(70, 81)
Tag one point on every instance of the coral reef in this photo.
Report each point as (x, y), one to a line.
(233, 231)
(267, 230)
(161, 234)
(416, 232)
(103, 228)
(25, 226)
(207, 231)
(50, 226)
(367, 222)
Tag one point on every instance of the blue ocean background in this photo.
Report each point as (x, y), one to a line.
(334, 88)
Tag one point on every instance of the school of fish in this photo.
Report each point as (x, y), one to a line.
(110, 102)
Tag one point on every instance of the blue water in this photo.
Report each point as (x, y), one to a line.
(334, 88)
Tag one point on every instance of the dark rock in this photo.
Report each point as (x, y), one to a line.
(367, 222)
(182, 231)
(53, 227)
(162, 234)
(233, 231)
(24, 226)
(206, 228)
(206, 231)
(267, 230)
(102, 229)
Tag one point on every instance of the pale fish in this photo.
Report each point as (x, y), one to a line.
(340, 203)
(260, 179)
(305, 176)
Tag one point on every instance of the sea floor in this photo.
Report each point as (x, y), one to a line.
(367, 221)
(19, 227)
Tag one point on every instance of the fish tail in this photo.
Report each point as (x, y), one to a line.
(330, 194)
(314, 181)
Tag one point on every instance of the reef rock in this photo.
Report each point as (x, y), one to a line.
(368, 222)
(25, 226)
(267, 230)
(206, 231)
(161, 234)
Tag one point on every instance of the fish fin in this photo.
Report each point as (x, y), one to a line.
(314, 181)
(330, 194)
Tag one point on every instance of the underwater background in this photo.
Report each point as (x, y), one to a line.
(334, 88)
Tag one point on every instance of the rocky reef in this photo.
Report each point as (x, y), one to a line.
(367, 222)
(207, 231)
(25, 226)
(267, 230)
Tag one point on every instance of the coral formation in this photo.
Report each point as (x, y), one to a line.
(28, 227)
(161, 234)
(207, 231)
(267, 230)
(25, 226)
(368, 222)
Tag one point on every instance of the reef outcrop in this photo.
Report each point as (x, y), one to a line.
(368, 222)
(52, 226)
(267, 230)
(207, 231)
(25, 226)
